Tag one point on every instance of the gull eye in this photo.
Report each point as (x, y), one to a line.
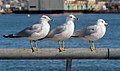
(44, 17)
(102, 21)
(70, 16)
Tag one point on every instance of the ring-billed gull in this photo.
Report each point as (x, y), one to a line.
(92, 33)
(34, 32)
(63, 32)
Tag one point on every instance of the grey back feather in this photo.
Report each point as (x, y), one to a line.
(29, 30)
(85, 31)
(56, 31)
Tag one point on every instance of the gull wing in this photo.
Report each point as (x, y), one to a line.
(29, 30)
(85, 31)
(56, 31)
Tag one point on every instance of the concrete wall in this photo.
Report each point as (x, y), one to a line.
(46, 4)
(33, 5)
(51, 4)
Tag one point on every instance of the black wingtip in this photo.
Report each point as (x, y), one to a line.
(4, 36)
(75, 36)
(8, 36)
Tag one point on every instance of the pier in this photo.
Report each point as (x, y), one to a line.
(53, 53)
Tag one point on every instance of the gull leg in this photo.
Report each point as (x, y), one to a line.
(58, 43)
(35, 44)
(32, 47)
(59, 46)
(62, 49)
(92, 46)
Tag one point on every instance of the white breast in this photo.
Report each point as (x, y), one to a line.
(99, 34)
(67, 33)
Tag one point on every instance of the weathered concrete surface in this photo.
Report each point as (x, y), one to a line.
(114, 53)
(53, 53)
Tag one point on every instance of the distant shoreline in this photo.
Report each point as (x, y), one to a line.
(64, 12)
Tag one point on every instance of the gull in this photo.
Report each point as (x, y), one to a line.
(92, 33)
(34, 32)
(63, 31)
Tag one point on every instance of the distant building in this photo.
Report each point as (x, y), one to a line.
(91, 1)
(46, 5)
(114, 2)
(79, 4)
(1, 4)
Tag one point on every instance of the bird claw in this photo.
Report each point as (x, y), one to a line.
(34, 49)
(61, 49)
(92, 49)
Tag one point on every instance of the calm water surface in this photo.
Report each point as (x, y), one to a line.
(14, 23)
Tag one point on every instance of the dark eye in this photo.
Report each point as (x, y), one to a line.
(102, 21)
(70, 16)
(44, 17)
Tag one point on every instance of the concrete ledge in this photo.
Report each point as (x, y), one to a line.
(114, 53)
(53, 53)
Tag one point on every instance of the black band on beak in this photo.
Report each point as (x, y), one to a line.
(106, 24)
(76, 18)
(51, 20)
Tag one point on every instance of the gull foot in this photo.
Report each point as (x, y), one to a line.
(92, 49)
(34, 49)
(61, 49)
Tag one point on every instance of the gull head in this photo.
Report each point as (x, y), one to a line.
(46, 18)
(71, 18)
(101, 22)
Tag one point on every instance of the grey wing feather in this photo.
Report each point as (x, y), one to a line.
(28, 31)
(55, 31)
(79, 33)
(91, 29)
(85, 31)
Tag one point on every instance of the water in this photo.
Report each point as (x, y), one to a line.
(14, 23)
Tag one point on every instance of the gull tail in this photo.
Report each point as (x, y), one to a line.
(74, 36)
(79, 33)
(11, 36)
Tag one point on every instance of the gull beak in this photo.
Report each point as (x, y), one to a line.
(76, 18)
(106, 24)
(51, 20)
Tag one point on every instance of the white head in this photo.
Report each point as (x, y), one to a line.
(71, 18)
(101, 22)
(45, 18)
